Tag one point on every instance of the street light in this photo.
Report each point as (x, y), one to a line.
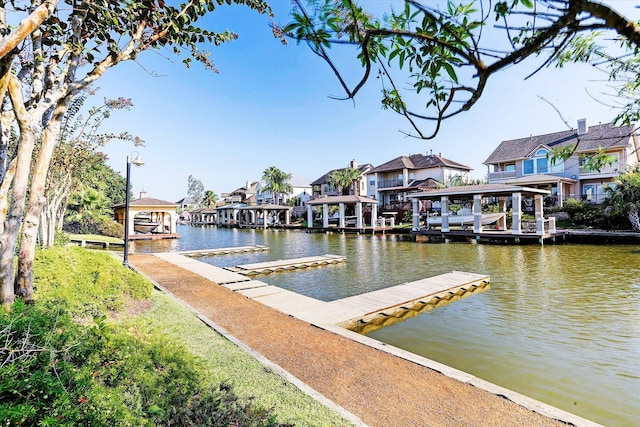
(137, 162)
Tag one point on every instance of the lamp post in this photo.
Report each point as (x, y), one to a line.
(138, 162)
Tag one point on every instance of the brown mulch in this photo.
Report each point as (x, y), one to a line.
(381, 389)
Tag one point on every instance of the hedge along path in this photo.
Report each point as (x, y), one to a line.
(379, 388)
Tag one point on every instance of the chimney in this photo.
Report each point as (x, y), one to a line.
(582, 126)
(353, 164)
(143, 194)
(248, 185)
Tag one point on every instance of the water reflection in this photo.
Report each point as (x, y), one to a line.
(560, 324)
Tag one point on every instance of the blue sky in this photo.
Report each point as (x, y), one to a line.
(270, 106)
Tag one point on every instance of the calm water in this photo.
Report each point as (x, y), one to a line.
(560, 323)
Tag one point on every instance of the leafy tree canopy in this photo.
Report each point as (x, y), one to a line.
(433, 59)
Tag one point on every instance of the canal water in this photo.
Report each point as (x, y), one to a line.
(560, 323)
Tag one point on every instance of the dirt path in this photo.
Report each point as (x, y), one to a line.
(381, 389)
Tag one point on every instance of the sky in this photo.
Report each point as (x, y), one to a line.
(271, 105)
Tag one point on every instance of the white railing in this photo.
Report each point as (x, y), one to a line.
(607, 170)
(499, 176)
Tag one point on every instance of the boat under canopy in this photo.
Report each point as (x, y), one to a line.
(486, 219)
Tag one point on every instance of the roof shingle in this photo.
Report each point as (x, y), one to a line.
(603, 135)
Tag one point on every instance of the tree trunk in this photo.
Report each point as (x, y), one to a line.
(24, 276)
(13, 219)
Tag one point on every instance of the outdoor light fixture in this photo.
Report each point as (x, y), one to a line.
(137, 162)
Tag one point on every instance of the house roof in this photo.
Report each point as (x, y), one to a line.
(246, 189)
(299, 182)
(185, 201)
(418, 161)
(602, 135)
(362, 168)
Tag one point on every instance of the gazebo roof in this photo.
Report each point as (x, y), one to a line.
(267, 206)
(484, 189)
(147, 202)
(334, 200)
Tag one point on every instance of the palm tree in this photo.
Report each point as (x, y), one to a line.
(277, 182)
(88, 205)
(624, 196)
(210, 199)
(343, 179)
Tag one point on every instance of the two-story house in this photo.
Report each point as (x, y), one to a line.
(322, 187)
(300, 194)
(391, 182)
(245, 195)
(529, 161)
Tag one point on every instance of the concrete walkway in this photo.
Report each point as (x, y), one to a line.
(373, 383)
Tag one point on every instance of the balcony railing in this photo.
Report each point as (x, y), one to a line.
(502, 175)
(607, 170)
(387, 183)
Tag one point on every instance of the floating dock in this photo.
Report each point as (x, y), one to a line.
(224, 251)
(361, 313)
(370, 311)
(286, 264)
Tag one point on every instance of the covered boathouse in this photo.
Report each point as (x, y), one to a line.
(353, 214)
(509, 199)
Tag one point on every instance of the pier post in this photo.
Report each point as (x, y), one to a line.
(516, 228)
(477, 213)
(444, 212)
(309, 216)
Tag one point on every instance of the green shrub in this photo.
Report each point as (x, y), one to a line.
(61, 238)
(108, 227)
(87, 283)
(57, 372)
(583, 214)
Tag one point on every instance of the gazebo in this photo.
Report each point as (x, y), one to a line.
(356, 222)
(476, 193)
(263, 216)
(149, 216)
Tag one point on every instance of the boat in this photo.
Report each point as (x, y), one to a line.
(486, 219)
(145, 227)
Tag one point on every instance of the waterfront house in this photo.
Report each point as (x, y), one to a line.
(300, 194)
(321, 186)
(243, 195)
(526, 161)
(391, 182)
(184, 205)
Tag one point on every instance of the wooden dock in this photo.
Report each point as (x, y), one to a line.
(88, 243)
(224, 251)
(286, 264)
(370, 311)
(487, 236)
(361, 313)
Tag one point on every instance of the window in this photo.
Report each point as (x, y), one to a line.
(527, 167)
(541, 164)
(510, 167)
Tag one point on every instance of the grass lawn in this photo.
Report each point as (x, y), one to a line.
(231, 364)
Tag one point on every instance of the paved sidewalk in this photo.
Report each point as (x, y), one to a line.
(381, 385)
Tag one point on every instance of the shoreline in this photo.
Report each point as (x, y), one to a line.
(297, 363)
